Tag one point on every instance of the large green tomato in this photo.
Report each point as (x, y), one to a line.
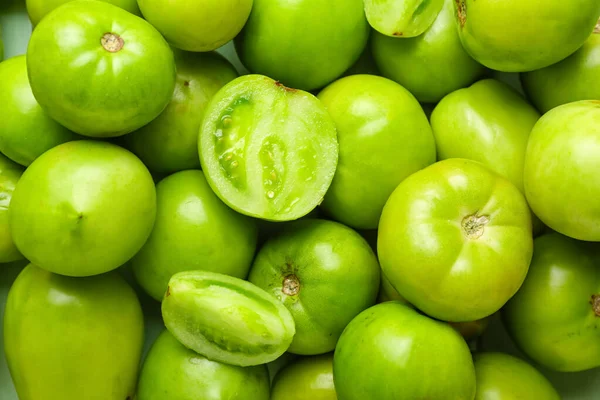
(170, 142)
(573, 79)
(27, 131)
(305, 44)
(562, 183)
(324, 273)
(455, 240)
(83, 208)
(172, 371)
(72, 338)
(10, 173)
(501, 376)
(384, 137)
(37, 9)
(391, 352)
(555, 316)
(197, 25)
(193, 230)
(406, 18)
(430, 65)
(99, 70)
(309, 378)
(519, 36)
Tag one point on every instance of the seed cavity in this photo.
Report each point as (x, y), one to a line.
(112, 42)
(216, 337)
(461, 12)
(291, 285)
(474, 225)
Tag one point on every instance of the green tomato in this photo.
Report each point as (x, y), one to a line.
(83, 208)
(562, 183)
(391, 352)
(193, 230)
(170, 142)
(268, 151)
(226, 319)
(572, 79)
(10, 173)
(72, 338)
(304, 268)
(37, 9)
(501, 376)
(99, 70)
(384, 137)
(430, 65)
(305, 44)
(455, 240)
(520, 36)
(555, 316)
(309, 378)
(172, 371)
(27, 131)
(405, 18)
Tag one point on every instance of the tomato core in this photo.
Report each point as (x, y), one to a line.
(112, 42)
(474, 225)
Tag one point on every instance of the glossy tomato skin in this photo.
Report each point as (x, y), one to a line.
(391, 352)
(324, 273)
(455, 240)
(561, 170)
(172, 371)
(384, 137)
(193, 230)
(555, 316)
(501, 376)
(115, 72)
(37, 9)
(305, 44)
(54, 325)
(10, 173)
(307, 378)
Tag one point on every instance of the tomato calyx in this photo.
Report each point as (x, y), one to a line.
(474, 225)
(291, 285)
(595, 302)
(112, 42)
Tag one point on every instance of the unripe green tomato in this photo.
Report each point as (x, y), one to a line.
(37, 9)
(10, 173)
(308, 378)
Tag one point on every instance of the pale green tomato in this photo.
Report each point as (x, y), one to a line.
(37, 9)
(402, 18)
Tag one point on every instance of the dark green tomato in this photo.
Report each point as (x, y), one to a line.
(99, 70)
(10, 173)
(170, 142)
(555, 316)
(305, 44)
(37, 9)
(391, 352)
(171, 371)
(27, 131)
(309, 378)
(324, 273)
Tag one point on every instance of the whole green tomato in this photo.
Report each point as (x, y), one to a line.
(430, 65)
(391, 352)
(305, 266)
(83, 208)
(10, 173)
(561, 170)
(72, 338)
(501, 376)
(170, 142)
(406, 18)
(384, 137)
(455, 240)
(27, 131)
(305, 44)
(99, 70)
(308, 378)
(172, 371)
(573, 79)
(37, 9)
(193, 230)
(555, 316)
(520, 36)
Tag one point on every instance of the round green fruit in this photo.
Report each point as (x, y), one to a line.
(391, 352)
(172, 371)
(27, 131)
(555, 316)
(268, 151)
(406, 18)
(10, 173)
(99, 70)
(383, 136)
(520, 36)
(83, 208)
(305, 44)
(37, 9)
(562, 183)
(72, 338)
(324, 273)
(170, 142)
(309, 378)
(455, 240)
(193, 230)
